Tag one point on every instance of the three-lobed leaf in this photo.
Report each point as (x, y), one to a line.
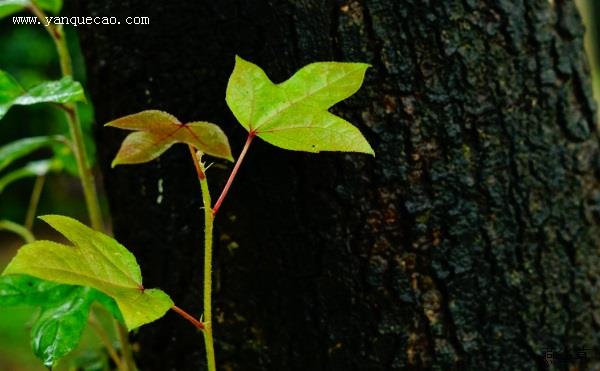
(64, 90)
(65, 309)
(294, 114)
(94, 260)
(156, 131)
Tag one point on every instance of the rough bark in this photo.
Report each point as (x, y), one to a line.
(469, 242)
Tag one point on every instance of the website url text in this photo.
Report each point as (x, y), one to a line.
(79, 21)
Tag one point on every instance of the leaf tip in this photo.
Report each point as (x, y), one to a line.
(48, 218)
(366, 148)
(240, 62)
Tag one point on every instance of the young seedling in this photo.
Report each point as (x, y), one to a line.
(292, 115)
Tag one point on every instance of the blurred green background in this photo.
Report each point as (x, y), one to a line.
(28, 54)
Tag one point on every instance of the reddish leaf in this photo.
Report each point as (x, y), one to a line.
(157, 131)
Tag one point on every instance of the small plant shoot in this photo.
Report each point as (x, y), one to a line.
(65, 280)
(292, 115)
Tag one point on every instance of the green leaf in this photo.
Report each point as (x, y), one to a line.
(53, 6)
(65, 156)
(32, 169)
(61, 91)
(9, 91)
(157, 131)
(64, 314)
(59, 328)
(294, 114)
(26, 290)
(94, 260)
(20, 289)
(8, 7)
(23, 147)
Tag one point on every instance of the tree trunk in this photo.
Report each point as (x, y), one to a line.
(469, 242)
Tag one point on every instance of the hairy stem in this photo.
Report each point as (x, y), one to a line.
(18, 229)
(207, 281)
(234, 172)
(34, 201)
(83, 165)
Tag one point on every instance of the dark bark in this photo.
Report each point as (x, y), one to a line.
(469, 242)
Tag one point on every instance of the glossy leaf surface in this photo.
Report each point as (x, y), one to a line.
(61, 91)
(65, 309)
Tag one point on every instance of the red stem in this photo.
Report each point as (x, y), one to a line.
(251, 136)
(189, 317)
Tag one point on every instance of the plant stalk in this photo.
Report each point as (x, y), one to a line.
(85, 172)
(18, 229)
(207, 280)
(234, 172)
(105, 340)
(83, 165)
(128, 363)
(199, 325)
(34, 201)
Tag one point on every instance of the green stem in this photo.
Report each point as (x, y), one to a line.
(208, 234)
(207, 281)
(83, 165)
(23, 232)
(105, 340)
(85, 172)
(38, 186)
(128, 363)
